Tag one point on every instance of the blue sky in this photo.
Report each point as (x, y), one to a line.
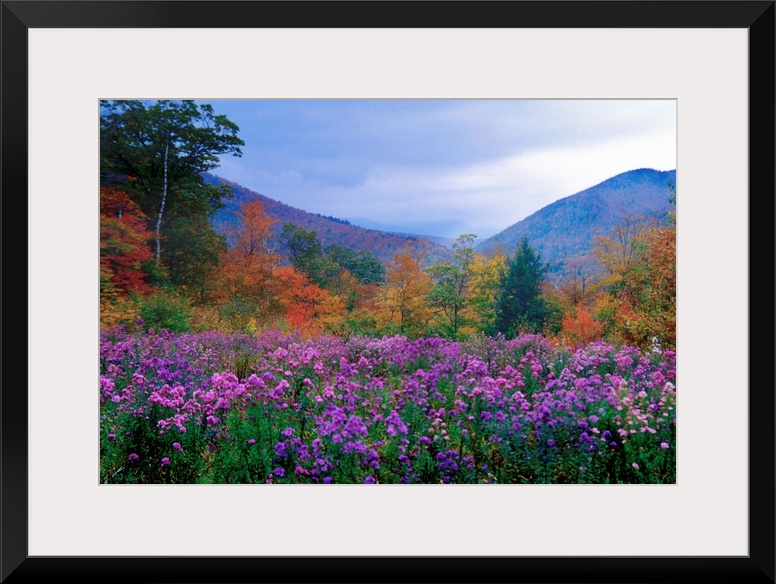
(441, 167)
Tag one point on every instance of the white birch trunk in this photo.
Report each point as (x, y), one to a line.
(161, 207)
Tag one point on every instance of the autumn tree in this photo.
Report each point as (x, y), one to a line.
(248, 266)
(579, 327)
(308, 308)
(484, 286)
(641, 302)
(158, 151)
(124, 245)
(403, 297)
(520, 306)
(637, 300)
(618, 249)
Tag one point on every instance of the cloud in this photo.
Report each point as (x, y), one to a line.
(486, 163)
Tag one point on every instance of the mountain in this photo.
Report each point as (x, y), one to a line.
(563, 232)
(330, 230)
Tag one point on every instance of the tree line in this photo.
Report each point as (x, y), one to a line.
(163, 265)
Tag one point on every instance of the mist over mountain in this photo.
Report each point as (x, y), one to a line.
(563, 232)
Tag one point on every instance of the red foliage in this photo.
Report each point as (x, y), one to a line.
(124, 246)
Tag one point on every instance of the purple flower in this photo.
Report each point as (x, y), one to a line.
(251, 441)
(112, 437)
(177, 446)
(664, 444)
(133, 457)
(369, 480)
(279, 472)
(165, 461)
(550, 442)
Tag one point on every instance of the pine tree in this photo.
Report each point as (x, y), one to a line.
(520, 306)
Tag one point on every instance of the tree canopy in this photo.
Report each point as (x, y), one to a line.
(157, 151)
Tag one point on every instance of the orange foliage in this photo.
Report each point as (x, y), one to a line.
(247, 268)
(403, 299)
(309, 308)
(579, 328)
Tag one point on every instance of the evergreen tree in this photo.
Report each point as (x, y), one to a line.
(520, 306)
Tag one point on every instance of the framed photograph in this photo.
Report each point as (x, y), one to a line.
(65, 64)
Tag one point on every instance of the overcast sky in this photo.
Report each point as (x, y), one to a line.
(441, 167)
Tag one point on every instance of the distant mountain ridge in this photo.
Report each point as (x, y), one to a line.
(563, 232)
(330, 230)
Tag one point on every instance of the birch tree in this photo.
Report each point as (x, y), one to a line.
(158, 151)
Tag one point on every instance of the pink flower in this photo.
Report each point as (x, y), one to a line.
(664, 444)
(635, 465)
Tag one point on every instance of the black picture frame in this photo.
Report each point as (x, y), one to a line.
(756, 16)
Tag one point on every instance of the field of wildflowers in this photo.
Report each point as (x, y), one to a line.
(270, 408)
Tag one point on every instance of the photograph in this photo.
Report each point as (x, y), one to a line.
(370, 292)
(388, 291)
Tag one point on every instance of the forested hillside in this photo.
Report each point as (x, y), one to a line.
(330, 230)
(565, 232)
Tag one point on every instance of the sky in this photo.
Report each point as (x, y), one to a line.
(441, 167)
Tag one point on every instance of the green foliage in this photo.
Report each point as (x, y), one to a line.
(191, 252)
(304, 251)
(164, 310)
(520, 306)
(157, 152)
(450, 285)
(364, 265)
(134, 136)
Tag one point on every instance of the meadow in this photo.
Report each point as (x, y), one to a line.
(236, 408)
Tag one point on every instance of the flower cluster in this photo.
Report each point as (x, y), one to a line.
(271, 408)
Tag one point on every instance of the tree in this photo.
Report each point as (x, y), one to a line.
(309, 308)
(637, 301)
(304, 251)
(451, 279)
(193, 251)
(367, 268)
(618, 249)
(158, 151)
(520, 306)
(124, 249)
(403, 296)
(484, 286)
(248, 267)
(578, 327)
